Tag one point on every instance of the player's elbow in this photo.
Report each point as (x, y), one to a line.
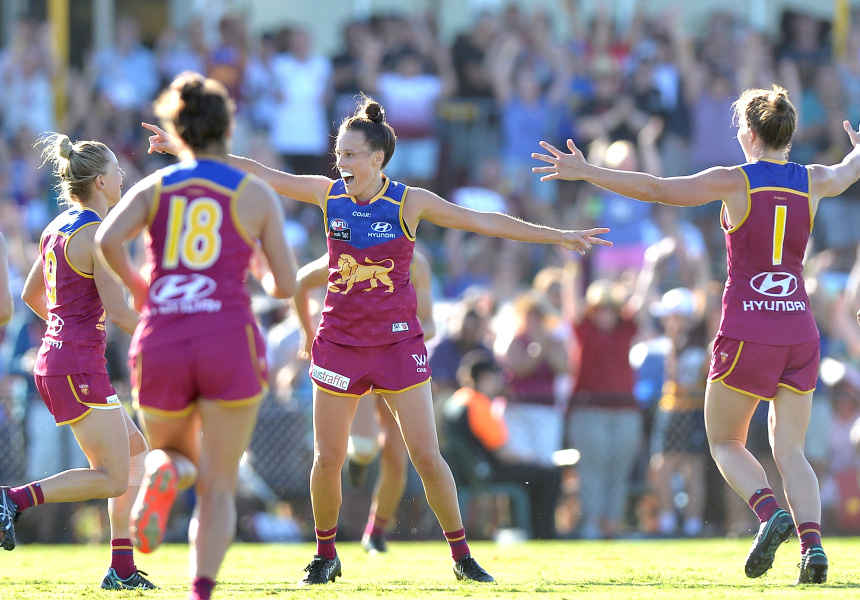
(31, 297)
(123, 317)
(282, 287)
(654, 190)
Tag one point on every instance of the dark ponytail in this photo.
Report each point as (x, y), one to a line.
(198, 109)
(369, 119)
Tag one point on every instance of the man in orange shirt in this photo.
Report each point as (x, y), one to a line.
(478, 439)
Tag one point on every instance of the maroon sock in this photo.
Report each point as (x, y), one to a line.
(27, 496)
(810, 536)
(375, 526)
(458, 543)
(325, 542)
(122, 557)
(764, 503)
(201, 588)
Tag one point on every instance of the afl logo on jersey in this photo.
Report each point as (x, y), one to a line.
(339, 230)
(776, 285)
(181, 288)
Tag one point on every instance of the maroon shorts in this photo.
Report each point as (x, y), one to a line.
(356, 370)
(71, 397)
(759, 369)
(226, 365)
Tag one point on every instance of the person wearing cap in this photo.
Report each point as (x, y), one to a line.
(678, 439)
(767, 346)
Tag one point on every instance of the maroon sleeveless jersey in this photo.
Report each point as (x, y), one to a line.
(197, 254)
(765, 299)
(370, 299)
(75, 339)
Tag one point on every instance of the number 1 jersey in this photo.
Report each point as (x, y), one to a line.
(765, 299)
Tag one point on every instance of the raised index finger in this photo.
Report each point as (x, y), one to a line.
(153, 128)
(555, 151)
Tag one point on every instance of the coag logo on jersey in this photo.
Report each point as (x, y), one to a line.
(381, 227)
(339, 230)
(181, 288)
(776, 285)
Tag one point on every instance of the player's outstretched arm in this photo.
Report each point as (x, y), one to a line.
(423, 204)
(304, 188)
(717, 183)
(828, 181)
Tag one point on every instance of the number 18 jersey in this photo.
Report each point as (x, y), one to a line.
(197, 253)
(765, 299)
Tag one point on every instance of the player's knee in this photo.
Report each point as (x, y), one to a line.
(136, 469)
(395, 456)
(137, 444)
(116, 485)
(428, 464)
(363, 449)
(328, 459)
(785, 453)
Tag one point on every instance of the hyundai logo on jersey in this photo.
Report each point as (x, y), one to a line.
(381, 227)
(776, 285)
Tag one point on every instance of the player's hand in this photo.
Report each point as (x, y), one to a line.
(139, 294)
(581, 240)
(162, 141)
(258, 265)
(305, 346)
(561, 165)
(854, 135)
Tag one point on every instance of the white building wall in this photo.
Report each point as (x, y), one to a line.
(324, 18)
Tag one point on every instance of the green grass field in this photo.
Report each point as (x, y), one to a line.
(570, 570)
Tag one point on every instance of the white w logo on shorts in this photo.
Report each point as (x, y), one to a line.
(420, 361)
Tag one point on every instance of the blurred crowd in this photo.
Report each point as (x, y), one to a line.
(605, 353)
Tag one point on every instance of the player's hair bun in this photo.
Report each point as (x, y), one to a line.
(64, 146)
(374, 112)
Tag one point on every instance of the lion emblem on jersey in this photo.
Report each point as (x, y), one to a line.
(351, 273)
